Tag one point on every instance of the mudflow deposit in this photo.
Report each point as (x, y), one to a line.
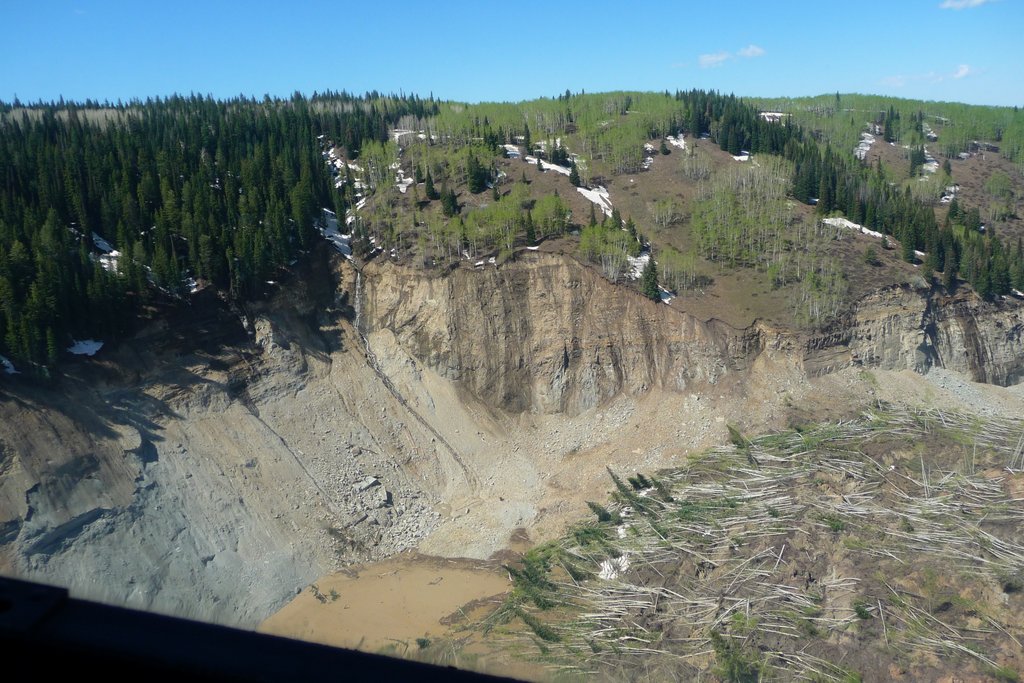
(223, 459)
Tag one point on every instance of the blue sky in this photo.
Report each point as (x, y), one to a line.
(964, 50)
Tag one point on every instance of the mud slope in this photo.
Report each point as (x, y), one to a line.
(224, 460)
(217, 484)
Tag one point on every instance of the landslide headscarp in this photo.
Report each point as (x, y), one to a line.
(548, 334)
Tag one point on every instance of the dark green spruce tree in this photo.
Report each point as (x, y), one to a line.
(649, 281)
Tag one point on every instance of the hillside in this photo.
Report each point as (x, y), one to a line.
(341, 328)
(163, 198)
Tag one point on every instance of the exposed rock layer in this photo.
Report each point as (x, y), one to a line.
(904, 328)
(550, 335)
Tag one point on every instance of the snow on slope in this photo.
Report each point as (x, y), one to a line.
(844, 223)
(547, 166)
(677, 142)
(343, 243)
(85, 347)
(598, 195)
(8, 367)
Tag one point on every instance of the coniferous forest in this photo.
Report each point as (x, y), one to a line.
(106, 209)
(182, 188)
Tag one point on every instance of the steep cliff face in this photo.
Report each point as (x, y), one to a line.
(548, 334)
(905, 328)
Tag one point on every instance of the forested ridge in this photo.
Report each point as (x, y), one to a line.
(105, 209)
(224, 191)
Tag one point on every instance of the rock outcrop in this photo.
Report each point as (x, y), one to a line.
(905, 328)
(548, 334)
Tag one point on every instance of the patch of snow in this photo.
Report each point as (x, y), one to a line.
(677, 142)
(665, 295)
(85, 347)
(109, 261)
(648, 147)
(862, 149)
(647, 163)
(8, 367)
(548, 166)
(403, 183)
(532, 248)
(478, 264)
(341, 242)
(637, 265)
(612, 568)
(191, 284)
(844, 223)
(513, 151)
(742, 156)
(620, 530)
(931, 165)
(1018, 293)
(773, 116)
(492, 260)
(599, 195)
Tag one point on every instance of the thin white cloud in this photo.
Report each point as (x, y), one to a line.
(962, 4)
(962, 71)
(712, 60)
